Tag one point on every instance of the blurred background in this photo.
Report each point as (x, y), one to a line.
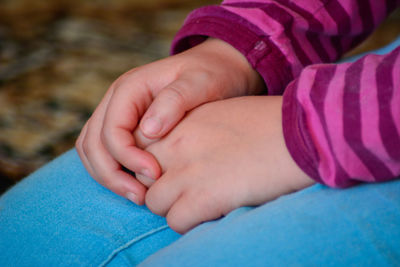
(58, 57)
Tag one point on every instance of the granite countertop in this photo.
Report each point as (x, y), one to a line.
(57, 58)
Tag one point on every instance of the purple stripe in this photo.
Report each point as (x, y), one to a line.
(359, 39)
(367, 19)
(385, 86)
(340, 16)
(352, 122)
(367, 22)
(391, 5)
(285, 19)
(318, 92)
(343, 22)
(202, 20)
(296, 134)
(336, 42)
(315, 29)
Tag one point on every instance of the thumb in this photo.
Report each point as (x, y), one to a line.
(171, 104)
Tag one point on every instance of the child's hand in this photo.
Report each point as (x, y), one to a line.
(223, 155)
(158, 95)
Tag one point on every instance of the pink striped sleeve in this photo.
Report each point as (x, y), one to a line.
(281, 37)
(342, 122)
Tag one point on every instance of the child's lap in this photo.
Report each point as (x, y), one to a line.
(318, 226)
(60, 215)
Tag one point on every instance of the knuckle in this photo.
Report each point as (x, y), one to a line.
(212, 86)
(108, 183)
(124, 78)
(175, 224)
(86, 148)
(208, 204)
(178, 144)
(105, 135)
(176, 94)
(79, 141)
(78, 144)
(204, 75)
(89, 147)
(107, 138)
(106, 179)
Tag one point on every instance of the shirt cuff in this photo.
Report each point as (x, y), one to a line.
(255, 45)
(299, 141)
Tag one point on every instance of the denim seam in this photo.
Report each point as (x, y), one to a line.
(129, 243)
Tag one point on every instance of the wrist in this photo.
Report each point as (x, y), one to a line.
(294, 177)
(289, 176)
(241, 74)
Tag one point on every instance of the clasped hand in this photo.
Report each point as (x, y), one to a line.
(204, 165)
(221, 156)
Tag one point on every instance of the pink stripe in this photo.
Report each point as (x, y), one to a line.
(326, 167)
(310, 6)
(258, 18)
(333, 115)
(273, 28)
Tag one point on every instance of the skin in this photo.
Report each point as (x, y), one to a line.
(221, 156)
(196, 156)
(157, 96)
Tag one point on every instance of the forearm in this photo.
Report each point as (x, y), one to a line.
(342, 122)
(280, 38)
(242, 80)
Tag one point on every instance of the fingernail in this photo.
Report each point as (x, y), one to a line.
(132, 197)
(151, 126)
(147, 173)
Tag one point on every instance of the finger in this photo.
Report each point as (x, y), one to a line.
(146, 181)
(79, 149)
(163, 193)
(191, 209)
(83, 137)
(95, 119)
(100, 164)
(123, 113)
(110, 174)
(141, 140)
(172, 102)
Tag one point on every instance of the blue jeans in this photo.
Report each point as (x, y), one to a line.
(59, 216)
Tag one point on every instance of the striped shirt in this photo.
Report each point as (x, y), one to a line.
(341, 122)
